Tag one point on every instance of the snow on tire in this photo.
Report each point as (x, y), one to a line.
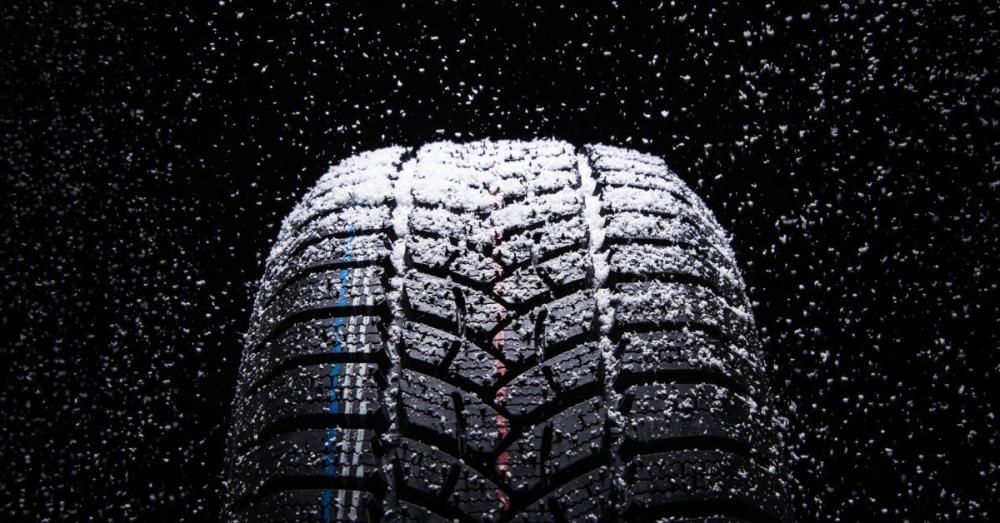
(499, 331)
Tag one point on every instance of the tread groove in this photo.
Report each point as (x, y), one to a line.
(551, 380)
(459, 298)
(459, 405)
(539, 333)
(452, 479)
(605, 211)
(544, 453)
(450, 356)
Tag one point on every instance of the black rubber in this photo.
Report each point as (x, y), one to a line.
(501, 331)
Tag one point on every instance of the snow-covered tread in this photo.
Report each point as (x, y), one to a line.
(503, 331)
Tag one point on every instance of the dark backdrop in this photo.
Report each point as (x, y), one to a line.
(149, 153)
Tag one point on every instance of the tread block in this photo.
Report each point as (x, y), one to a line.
(474, 266)
(556, 172)
(360, 336)
(615, 169)
(369, 249)
(440, 257)
(412, 513)
(438, 223)
(610, 165)
(339, 389)
(534, 284)
(646, 201)
(431, 348)
(433, 300)
(427, 345)
(617, 178)
(608, 158)
(362, 287)
(661, 412)
(637, 228)
(564, 379)
(476, 201)
(515, 342)
(362, 178)
(313, 506)
(566, 320)
(646, 356)
(550, 450)
(631, 227)
(449, 417)
(428, 476)
(587, 497)
(430, 253)
(524, 286)
(513, 218)
(354, 221)
(650, 262)
(451, 307)
(570, 270)
(378, 198)
(544, 237)
(655, 305)
(720, 480)
(333, 453)
(475, 365)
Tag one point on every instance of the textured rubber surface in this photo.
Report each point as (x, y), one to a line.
(502, 331)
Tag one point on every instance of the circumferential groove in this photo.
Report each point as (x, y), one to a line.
(604, 312)
(402, 188)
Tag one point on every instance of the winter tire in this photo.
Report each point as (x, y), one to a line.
(503, 331)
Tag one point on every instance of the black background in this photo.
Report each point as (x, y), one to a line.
(150, 151)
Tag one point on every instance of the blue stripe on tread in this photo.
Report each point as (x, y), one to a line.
(338, 324)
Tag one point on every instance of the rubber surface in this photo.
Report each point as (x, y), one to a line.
(503, 331)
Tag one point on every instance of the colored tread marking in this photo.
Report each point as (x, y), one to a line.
(503, 427)
(338, 324)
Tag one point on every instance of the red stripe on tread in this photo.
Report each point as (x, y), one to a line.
(503, 428)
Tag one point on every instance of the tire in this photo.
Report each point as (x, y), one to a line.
(500, 331)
